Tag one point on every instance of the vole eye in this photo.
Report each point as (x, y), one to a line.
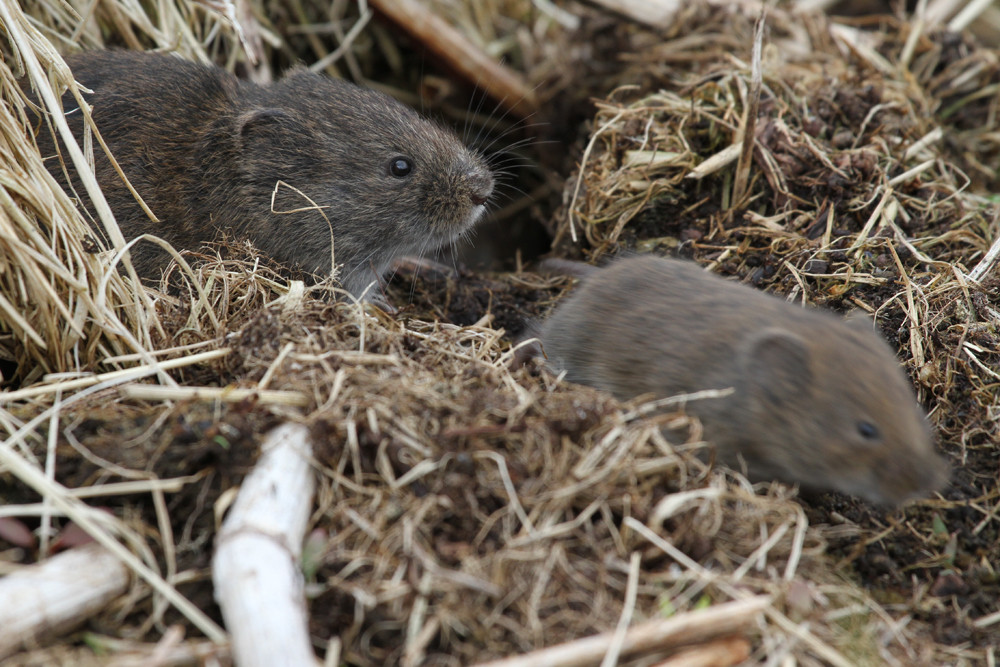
(400, 166)
(868, 430)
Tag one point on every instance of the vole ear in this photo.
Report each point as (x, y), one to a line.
(258, 123)
(778, 365)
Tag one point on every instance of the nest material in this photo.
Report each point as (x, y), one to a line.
(467, 511)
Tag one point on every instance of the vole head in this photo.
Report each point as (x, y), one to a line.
(388, 181)
(837, 413)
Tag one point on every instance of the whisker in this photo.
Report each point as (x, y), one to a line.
(508, 131)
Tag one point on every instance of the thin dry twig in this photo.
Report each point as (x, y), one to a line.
(442, 39)
(652, 636)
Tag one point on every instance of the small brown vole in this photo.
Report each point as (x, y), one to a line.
(818, 400)
(205, 150)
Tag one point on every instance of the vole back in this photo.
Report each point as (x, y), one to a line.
(207, 152)
(816, 400)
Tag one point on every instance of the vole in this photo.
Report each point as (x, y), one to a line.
(206, 151)
(816, 400)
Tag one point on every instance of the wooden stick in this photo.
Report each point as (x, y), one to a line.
(57, 594)
(750, 116)
(692, 627)
(656, 13)
(165, 653)
(123, 375)
(720, 653)
(444, 41)
(148, 392)
(258, 584)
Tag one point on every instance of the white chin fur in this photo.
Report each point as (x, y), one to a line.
(474, 215)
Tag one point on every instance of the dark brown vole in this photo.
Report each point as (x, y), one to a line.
(205, 150)
(818, 400)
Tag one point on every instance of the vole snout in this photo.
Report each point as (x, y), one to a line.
(457, 198)
(479, 186)
(472, 182)
(816, 400)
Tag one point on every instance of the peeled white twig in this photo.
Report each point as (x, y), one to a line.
(661, 13)
(124, 375)
(94, 522)
(171, 651)
(987, 263)
(722, 159)
(57, 594)
(657, 13)
(968, 14)
(690, 628)
(718, 653)
(255, 571)
(147, 392)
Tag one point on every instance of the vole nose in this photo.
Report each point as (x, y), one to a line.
(480, 188)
